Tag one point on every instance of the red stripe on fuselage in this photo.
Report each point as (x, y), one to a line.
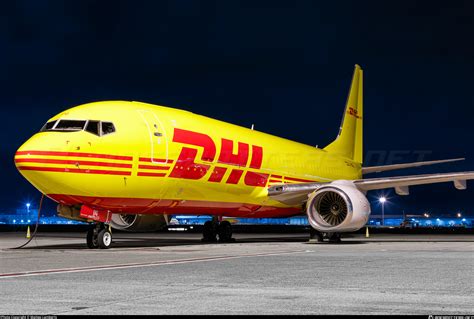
(189, 207)
(72, 162)
(160, 168)
(75, 154)
(151, 174)
(72, 170)
(298, 179)
(275, 181)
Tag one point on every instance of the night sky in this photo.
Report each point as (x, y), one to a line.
(285, 66)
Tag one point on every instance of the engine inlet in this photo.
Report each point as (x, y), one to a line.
(331, 207)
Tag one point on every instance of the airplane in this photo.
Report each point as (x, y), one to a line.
(129, 165)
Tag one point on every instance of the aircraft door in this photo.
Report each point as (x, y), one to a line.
(159, 151)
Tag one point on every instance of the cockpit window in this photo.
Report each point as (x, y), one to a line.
(70, 125)
(93, 127)
(48, 126)
(107, 128)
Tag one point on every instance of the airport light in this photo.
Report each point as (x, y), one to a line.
(382, 200)
(426, 215)
(459, 215)
(28, 207)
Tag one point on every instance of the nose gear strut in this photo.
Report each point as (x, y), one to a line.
(99, 236)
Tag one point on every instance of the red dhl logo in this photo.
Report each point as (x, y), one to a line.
(352, 111)
(187, 168)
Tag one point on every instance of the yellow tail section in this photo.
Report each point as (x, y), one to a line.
(349, 140)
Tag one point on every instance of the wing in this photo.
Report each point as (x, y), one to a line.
(384, 168)
(293, 194)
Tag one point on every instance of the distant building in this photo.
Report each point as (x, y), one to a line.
(24, 216)
(375, 220)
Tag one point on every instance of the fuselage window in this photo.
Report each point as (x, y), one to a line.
(93, 127)
(48, 126)
(107, 128)
(70, 125)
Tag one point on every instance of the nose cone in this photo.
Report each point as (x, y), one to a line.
(34, 160)
(36, 146)
(23, 153)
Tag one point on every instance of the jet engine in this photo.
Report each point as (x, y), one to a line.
(138, 223)
(337, 207)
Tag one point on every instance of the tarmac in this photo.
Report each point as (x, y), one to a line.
(173, 273)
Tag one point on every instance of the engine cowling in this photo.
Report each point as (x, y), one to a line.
(138, 223)
(337, 207)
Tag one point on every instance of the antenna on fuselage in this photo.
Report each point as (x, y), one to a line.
(252, 127)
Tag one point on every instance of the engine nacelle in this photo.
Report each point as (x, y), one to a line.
(337, 207)
(138, 223)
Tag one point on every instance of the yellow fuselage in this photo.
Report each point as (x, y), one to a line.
(165, 160)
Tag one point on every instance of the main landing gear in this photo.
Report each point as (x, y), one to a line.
(320, 237)
(100, 236)
(213, 229)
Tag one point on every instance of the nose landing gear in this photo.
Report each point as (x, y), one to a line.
(100, 236)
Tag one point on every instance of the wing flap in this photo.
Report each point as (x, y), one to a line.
(384, 168)
(460, 184)
(402, 190)
(401, 181)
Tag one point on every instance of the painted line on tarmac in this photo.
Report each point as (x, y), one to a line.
(148, 264)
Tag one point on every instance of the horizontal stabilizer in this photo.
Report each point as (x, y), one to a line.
(384, 168)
